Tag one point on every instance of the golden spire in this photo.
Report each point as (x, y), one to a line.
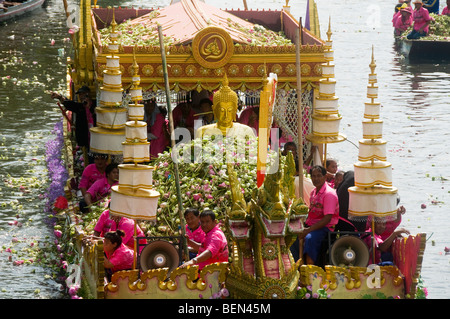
(372, 64)
(329, 33)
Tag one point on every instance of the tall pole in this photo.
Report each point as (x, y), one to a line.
(299, 111)
(172, 140)
(299, 122)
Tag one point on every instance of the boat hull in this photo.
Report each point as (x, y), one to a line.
(424, 50)
(20, 9)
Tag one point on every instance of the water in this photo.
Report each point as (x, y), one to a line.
(414, 99)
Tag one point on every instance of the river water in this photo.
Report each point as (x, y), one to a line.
(414, 99)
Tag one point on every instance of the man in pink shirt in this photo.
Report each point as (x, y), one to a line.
(323, 214)
(422, 19)
(214, 248)
(194, 232)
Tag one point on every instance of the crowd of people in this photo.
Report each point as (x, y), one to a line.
(327, 199)
(419, 17)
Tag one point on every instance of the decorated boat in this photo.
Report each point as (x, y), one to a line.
(248, 58)
(16, 9)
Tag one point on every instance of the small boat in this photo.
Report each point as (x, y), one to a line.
(18, 9)
(424, 50)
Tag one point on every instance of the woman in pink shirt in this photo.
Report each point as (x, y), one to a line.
(107, 223)
(422, 19)
(214, 248)
(118, 256)
(402, 21)
(102, 187)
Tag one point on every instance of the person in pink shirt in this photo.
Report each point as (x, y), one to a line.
(215, 246)
(183, 116)
(322, 217)
(107, 223)
(102, 187)
(382, 245)
(194, 232)
(157, 130)
(422, 19)
(118, 256)
(446, 10)
(91, 174)
(402, 21)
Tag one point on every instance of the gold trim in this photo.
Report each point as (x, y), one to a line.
(136, 167)
(325, 139)
(105, 131)
(373, 165)
(373, 190)
(142, 217)
(141, 193)
(383, 183)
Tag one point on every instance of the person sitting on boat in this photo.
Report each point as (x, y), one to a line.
(194, 232)
(225, 104)
(118, 256)
(446, 10)
(85, 116)
(322, 216)
(183, 116)
(157, 130)
(205, 115)
(90, 175)
(382, 246)
(107, 223)
(102, 187)
(214, 247)
(332, 167)
(250, 117)
(403, 20)
(422, 19)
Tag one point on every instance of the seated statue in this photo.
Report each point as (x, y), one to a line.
(225, 103)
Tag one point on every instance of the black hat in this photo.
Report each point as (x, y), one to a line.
(83, 89)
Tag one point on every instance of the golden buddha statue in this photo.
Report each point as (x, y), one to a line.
(225, 103)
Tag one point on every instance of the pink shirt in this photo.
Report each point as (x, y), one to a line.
(324, 202)
(122, 258)
(401, 25)
(89, 176)
(197, 235)
(445, 11)
(378, 241)
(100, 189)
(216, 242)
(421, 17)
(159, 144)
(106, 224)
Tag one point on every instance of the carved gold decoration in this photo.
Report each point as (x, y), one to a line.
(212, 47)
(248, 69)
(291, 69)
(261, 70)
(318, 69)
(147, 70)
(233, 69)
(219, 71)
(191, 70)
(160, 70)
(276, 68)
(176, 70)
(305, 69)
(204, 71)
